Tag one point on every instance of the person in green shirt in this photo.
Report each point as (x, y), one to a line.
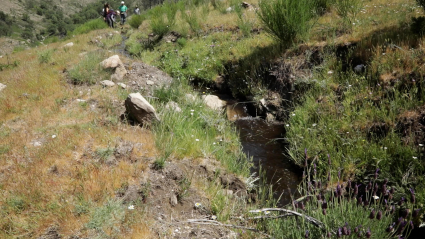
(123, 12)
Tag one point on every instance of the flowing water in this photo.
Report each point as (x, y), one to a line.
(263, 142)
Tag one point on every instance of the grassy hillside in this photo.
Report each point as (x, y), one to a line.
(347, 81)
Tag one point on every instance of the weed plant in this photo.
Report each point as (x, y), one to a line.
(45, 56)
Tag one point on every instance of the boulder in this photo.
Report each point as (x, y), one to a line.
(139, 109)
(107, 83)
(173, 106)
(71, 44)
(214, 102)
(2, 87)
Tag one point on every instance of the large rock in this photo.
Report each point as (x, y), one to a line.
(214, 102)
(2, 87)
(139, 108)
(115, 63)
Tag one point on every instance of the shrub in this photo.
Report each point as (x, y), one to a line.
(163, 18)
(136, 20)
(286, 20)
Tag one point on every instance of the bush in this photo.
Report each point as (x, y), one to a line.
(90, 26)
(286, 20)
(136, 20)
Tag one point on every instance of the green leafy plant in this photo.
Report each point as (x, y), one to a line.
(45, 56)
(88, 70)
(136, 20)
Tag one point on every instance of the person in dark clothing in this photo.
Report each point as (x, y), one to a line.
(108, 15)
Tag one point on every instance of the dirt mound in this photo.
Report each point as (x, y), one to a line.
(172, 196)
(143, 77)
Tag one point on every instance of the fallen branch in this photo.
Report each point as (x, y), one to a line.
(215, 223)
(313, 220)
(271, 217)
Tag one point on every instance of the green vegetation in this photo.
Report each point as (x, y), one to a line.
(88, 71)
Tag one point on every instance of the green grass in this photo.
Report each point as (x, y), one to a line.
(90, 26)
(88, 70)
(196, 131)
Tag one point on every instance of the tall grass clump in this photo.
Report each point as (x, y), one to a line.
(90, 26)
(88, 71)
(286, 20)
(136, 20)
(163, 18)
(45, 56)
(370, 209)
(243, 23)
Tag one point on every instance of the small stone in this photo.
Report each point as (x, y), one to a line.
(122, 85)
(173, 200)
(36, 144)
(71, 44)
(173, 106)
(149, 82)
(190, 97)
(107, 83)
(2, 87)
(80, 100)
(54, 136)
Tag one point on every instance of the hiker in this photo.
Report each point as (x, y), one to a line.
(108, 15)
(137, 10)
(123, 12)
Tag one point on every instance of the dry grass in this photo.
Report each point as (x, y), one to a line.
(38, 103)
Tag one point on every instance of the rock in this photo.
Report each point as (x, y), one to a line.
(190, 97)
(2, 87)
(227, 192)
(82, 54)
(80, 100)
(107, 83)
(149, 82)
(173, 200)
(112, 62)
(37, 143)
(71, 44)
(229, 9)
(122, 85)
(111, 160)
(123, 149)
(214, 102)
(139, 108)
(173, 106)
(132, 194)
(53, 169)
(51, 233)
(116, 63)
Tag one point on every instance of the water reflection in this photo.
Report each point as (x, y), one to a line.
(262, 141)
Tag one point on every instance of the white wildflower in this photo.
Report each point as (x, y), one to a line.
(53, 136)
(131, 207)
(375, 197)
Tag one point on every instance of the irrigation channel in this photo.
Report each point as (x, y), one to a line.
(260, 140)
(263, 142)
